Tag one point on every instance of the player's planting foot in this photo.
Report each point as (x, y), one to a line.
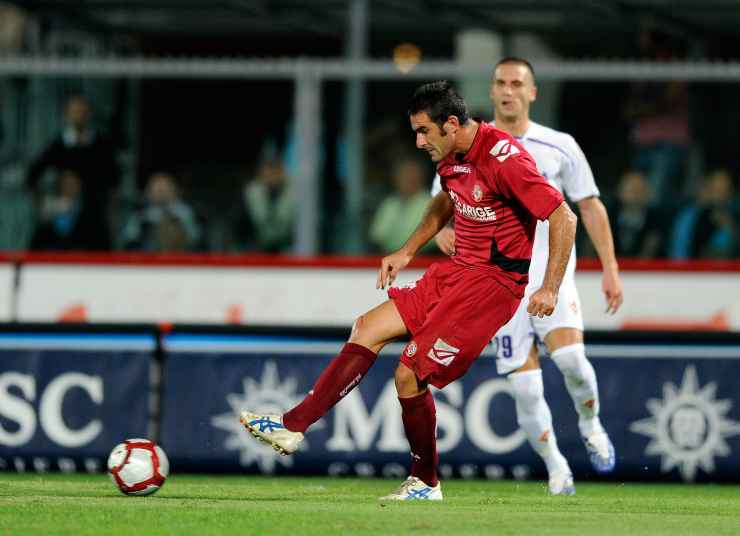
(561, 483)
(414, 489)
(600, 452)
(271, 430)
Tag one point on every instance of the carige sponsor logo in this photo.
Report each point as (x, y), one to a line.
(474, 213)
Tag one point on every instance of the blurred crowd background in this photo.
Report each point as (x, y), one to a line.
(207, 165)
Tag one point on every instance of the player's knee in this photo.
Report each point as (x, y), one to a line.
(527, 389)
(359, 329)
(572, 362)
(357, 324)
(405, 379)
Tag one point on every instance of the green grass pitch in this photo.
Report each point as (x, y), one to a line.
(237, 505)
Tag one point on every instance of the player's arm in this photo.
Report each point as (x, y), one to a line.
(519, 179)
(562, 234)
(579, 184)
(436, 216)
(596, 221)
(445, 238)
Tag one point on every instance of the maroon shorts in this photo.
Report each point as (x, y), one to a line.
(452, 312)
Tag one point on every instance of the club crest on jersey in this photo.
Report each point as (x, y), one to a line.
(503, 150)
(477, 192)
(411, 349)
(443, 353)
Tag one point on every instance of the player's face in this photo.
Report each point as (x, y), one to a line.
(512, 91)
(430, 138)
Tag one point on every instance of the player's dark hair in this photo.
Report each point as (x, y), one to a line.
(517, 61)
(439, 100)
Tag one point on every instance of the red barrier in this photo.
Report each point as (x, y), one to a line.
(326, 261)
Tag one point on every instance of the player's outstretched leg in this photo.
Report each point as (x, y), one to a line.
(580, 380)
(370, 333)
(534, 417)
(419, 416)
(342, 374)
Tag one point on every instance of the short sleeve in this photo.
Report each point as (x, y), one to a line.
(577, 177)
(518, 179)
(436, 185)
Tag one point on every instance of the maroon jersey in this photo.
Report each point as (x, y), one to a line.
(499, 195)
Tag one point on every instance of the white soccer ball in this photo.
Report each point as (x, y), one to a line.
(138, 467)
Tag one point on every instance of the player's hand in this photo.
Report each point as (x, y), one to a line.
(445, 240)
(390, 266)
(542, 303)
(613, 291)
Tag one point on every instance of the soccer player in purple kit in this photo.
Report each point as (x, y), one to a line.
(492, 187)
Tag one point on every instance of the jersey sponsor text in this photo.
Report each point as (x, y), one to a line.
(471, 212)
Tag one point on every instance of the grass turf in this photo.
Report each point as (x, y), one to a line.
(209, 504)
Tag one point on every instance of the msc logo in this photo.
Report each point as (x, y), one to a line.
(503, 150)
(18, 392)
(367, 426)
(443, 353)
(461, 169)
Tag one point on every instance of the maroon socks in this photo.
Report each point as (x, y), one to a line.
(343, 374)
(420, 422)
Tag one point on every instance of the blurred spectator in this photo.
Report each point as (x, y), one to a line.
(266, 213)
(171, 234)
(13, 23)
(165, 222)
(400, 213)
(660, 115)
(82, 149)
(65, 223)
(380, 156)
(709, 228)
(637, 227)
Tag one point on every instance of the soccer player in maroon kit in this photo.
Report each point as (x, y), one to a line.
(493, 188)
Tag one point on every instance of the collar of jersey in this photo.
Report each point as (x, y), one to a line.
(474, 147)
(532, 124)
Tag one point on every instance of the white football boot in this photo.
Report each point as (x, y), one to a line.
(271, 430)
(600, 452)
(561, 482)
(414, 489)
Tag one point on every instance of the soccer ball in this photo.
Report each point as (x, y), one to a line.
(138, 467)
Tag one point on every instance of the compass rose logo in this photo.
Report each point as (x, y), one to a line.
(268, 395)
(689, 427)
